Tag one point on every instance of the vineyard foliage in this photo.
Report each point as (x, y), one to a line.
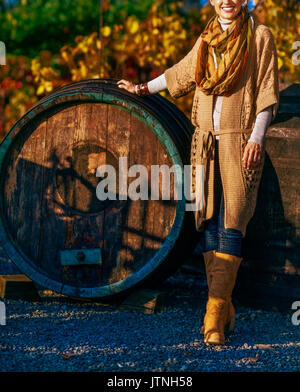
(137, 42)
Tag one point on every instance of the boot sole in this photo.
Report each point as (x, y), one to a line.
(214, 342)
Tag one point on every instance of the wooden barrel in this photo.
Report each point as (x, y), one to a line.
(54, 227)
(269, 276)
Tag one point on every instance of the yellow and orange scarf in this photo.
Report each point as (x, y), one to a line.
(234, 43)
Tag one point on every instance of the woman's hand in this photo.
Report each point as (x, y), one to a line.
(252, 155)
(126, 85)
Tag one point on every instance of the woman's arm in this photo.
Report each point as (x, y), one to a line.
(254, 148)
(267, 79)
(266, 94)
(180, 78)
(261, 125)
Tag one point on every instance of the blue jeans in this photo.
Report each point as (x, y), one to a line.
(215, 236)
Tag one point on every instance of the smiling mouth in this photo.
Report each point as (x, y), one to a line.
(227, 9)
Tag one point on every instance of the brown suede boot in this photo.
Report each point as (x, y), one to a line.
(219, 310)
(208, 262)
(214, 320)
(230, 316)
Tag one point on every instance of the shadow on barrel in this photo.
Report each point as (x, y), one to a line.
(58, 209)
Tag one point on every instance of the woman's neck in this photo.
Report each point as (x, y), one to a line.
(224, 24)
(224, 21)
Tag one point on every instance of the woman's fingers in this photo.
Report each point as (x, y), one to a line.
(257, 156)
(125, 84)
(245, 156)
(247, 159)
(250, 158)
(252, 155)
(122, 83)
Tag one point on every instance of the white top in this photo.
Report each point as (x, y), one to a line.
(262, 121)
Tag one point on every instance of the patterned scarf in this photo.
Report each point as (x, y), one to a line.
(234, 43)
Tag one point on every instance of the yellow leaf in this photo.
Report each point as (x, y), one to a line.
(35, 66)
(40, 90)
(65, 56)
(83, 69)
(48, 87)
(137, 39)
(106, 31)
(156, 22)
(132, 25)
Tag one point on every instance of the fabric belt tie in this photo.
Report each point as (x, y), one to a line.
(206, 144)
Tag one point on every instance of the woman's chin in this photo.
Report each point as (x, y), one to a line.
(228, 15)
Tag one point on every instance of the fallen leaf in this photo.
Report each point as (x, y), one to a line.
(67, 355)
(264, 346)
(251, 359)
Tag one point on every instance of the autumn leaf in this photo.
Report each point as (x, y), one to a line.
(67, 355)
(264, 346)
(132, 25)
(106, 31)
(251, 359)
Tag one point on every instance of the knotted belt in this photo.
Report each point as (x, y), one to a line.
(204, 141)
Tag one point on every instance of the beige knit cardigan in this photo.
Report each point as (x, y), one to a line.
(258, 89)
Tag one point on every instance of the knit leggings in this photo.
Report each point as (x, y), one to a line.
(215, 236)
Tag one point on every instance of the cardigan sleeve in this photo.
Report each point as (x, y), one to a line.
(180, 77)
(267, 86)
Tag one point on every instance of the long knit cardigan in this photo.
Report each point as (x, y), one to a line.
(257, 89)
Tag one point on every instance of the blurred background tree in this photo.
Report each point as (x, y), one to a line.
(53, 42)
(29, 26)
(283, 18)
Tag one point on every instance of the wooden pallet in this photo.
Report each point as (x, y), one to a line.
(147, 301)
(17, 287)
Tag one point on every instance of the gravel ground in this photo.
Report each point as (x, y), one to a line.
(58, 334)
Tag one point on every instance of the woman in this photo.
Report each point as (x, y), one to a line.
(233, 69)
